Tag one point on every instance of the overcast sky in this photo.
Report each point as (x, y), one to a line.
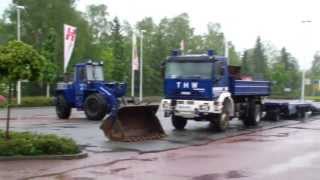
(277, 21)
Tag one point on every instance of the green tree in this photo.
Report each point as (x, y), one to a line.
(215, 38)
(285, 74)
(234, 58)
(19, 61)
(245, 63)
(260, 61)
(118, 51)
(50, 68)
(40, 16)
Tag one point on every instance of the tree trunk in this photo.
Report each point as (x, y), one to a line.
(48, 90)
(7, 135)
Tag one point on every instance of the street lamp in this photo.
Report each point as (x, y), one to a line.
(303, 70)
(19, 39)
(141, 66)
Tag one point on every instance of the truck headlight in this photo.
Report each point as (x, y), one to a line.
(165, 105)
(204, 107)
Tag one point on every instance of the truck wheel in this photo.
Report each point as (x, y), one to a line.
(254, 115)
(63, 109)
(95, 107)
(221, 122)
(178, 122)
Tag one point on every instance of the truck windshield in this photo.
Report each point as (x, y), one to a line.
(94, 73)
(201, 70)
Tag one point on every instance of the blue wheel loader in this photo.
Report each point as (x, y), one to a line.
(89, 92)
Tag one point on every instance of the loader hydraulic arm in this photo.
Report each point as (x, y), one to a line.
(112, 100)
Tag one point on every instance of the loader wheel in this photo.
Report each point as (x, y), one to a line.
(254, 115)
(178, 122)
(95, 107)
(63, 109)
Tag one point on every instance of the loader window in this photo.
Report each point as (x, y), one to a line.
(94, 73)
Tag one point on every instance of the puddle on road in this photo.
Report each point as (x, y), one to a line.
(217, 176)
(286, 134)
(247, 140)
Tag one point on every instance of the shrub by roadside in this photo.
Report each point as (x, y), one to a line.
(31, 144)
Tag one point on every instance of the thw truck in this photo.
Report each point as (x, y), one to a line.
(204, 88)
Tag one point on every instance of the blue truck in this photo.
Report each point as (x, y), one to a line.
(89, 92)
(204, 88)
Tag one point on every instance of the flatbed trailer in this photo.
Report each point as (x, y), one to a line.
(277, 109)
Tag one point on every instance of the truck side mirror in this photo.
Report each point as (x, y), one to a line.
(221, 71)
(162, 68)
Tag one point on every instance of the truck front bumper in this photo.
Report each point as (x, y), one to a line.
(190, 108)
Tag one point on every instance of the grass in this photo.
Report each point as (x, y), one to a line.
(315, 98)
(31, 101)
(31, 144)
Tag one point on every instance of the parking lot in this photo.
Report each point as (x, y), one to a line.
(196, 153)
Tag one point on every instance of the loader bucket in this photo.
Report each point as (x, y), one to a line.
(134, 123)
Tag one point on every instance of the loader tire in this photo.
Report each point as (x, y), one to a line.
(95, 107)
(63, 109)
(178, 122)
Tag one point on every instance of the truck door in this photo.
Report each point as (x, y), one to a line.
(80, 86)
(220, 83)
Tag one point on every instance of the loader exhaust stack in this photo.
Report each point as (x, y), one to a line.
(134, 123)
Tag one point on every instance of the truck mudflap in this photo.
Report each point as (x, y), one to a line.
(133, 123)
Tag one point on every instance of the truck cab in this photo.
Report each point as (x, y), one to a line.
(200, 87)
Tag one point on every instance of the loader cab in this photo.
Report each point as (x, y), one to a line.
(194, 77)
(89, 71)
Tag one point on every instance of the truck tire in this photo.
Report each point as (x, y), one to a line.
(95, 107)
(178, 123)
(254, 115)
(221, 122)
(63, 109)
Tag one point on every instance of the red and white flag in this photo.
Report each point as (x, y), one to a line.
(70, 34)
(135, 58)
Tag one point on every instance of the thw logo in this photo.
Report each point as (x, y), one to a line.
(194, 85)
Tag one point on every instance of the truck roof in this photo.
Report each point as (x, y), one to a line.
(195, 58)
(89, 62)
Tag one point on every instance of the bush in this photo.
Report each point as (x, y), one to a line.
(26, 143)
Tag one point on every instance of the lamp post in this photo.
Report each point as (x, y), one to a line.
(303, 70)
(141, 66)
(19, 39)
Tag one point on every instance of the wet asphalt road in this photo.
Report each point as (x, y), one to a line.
(284, 150)
(89, 136)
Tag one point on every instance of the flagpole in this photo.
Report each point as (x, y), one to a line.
(132, 68)
(141, 66)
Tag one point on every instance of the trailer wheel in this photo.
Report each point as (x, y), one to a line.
(63, 109)
(95, 107)
(254, 115)
(273, 115)
(178, 122)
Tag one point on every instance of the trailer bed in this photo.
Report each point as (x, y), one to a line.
(250, 88)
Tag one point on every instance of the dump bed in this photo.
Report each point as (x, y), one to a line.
(249, 88)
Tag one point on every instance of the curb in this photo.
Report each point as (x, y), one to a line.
(80, 155)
